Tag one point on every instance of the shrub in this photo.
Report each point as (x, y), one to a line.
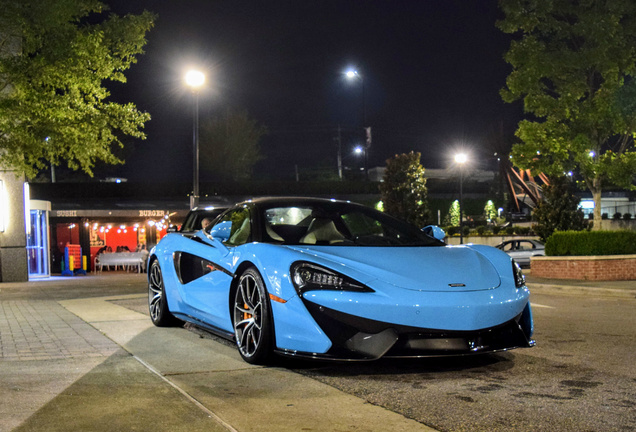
(559, 209)
(496, 229)
(565, 243)
(452, 230)
(520, 230)
(627, 216)
(617, 216)
(509, 230)
(465, 230)
(604, 216)
(481, 230)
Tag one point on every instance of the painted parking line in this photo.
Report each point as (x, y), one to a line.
(537, 305)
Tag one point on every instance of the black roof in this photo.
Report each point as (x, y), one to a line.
(293, 200)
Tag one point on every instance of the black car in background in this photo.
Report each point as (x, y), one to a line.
(197, 219)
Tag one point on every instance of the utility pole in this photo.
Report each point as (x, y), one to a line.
(339, 139)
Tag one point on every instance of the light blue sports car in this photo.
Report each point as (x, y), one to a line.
(330, 279)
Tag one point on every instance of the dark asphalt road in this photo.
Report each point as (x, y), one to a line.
(579, 377)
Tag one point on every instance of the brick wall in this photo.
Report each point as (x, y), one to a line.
(614, 267)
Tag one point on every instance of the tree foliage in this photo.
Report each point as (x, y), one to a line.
(230, 145)
(559, 209)
(403, 189)
(490, 211)
(55, 56)
(452, 218)
(573, 67)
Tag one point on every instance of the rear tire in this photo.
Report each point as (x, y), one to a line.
(252, 318)
(157, 301)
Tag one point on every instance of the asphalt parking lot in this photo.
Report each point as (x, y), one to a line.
(81, 354)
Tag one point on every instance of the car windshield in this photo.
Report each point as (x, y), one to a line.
(338, 224)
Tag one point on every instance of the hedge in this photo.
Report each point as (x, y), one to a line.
(586, 243)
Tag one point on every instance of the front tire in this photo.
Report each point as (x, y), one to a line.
(157, 301)
(252, 318)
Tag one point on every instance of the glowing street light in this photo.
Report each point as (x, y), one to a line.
(352, 73)
(195, 79)
(461, 159)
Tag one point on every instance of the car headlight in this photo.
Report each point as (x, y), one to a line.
(307, 277)
(520, 279)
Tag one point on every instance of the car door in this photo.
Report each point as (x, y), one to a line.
(530, 248)
(519, 252)
(207, 269)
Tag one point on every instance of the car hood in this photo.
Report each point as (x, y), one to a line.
(443, 268)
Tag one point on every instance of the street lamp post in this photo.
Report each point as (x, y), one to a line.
(352, 74)
(195, 79)
(461, 159)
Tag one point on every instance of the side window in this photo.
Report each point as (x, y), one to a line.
(196, 218)
(360, 225)
(241, 226)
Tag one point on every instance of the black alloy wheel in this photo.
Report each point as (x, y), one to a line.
(252, 318)
(157, 302)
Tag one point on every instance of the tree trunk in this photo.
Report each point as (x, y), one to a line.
(596, 194)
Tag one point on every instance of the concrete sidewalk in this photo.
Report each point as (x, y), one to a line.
(81, 354)
(91, 364)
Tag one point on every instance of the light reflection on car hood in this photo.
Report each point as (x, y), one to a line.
(448, 268)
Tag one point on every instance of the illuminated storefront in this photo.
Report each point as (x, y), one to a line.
(105, 230)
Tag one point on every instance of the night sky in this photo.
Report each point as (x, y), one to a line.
(432, 73)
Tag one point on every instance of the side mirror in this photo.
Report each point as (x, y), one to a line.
(435, 232)
(221, 231)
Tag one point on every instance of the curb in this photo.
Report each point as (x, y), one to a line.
(567, 289)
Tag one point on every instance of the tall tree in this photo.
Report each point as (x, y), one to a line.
(403, 189)
(559, 209)
(573, 66)
(230, 145)
(490, 211)
(55, 56)
(452, 218)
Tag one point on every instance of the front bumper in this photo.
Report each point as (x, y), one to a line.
(356, 338)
